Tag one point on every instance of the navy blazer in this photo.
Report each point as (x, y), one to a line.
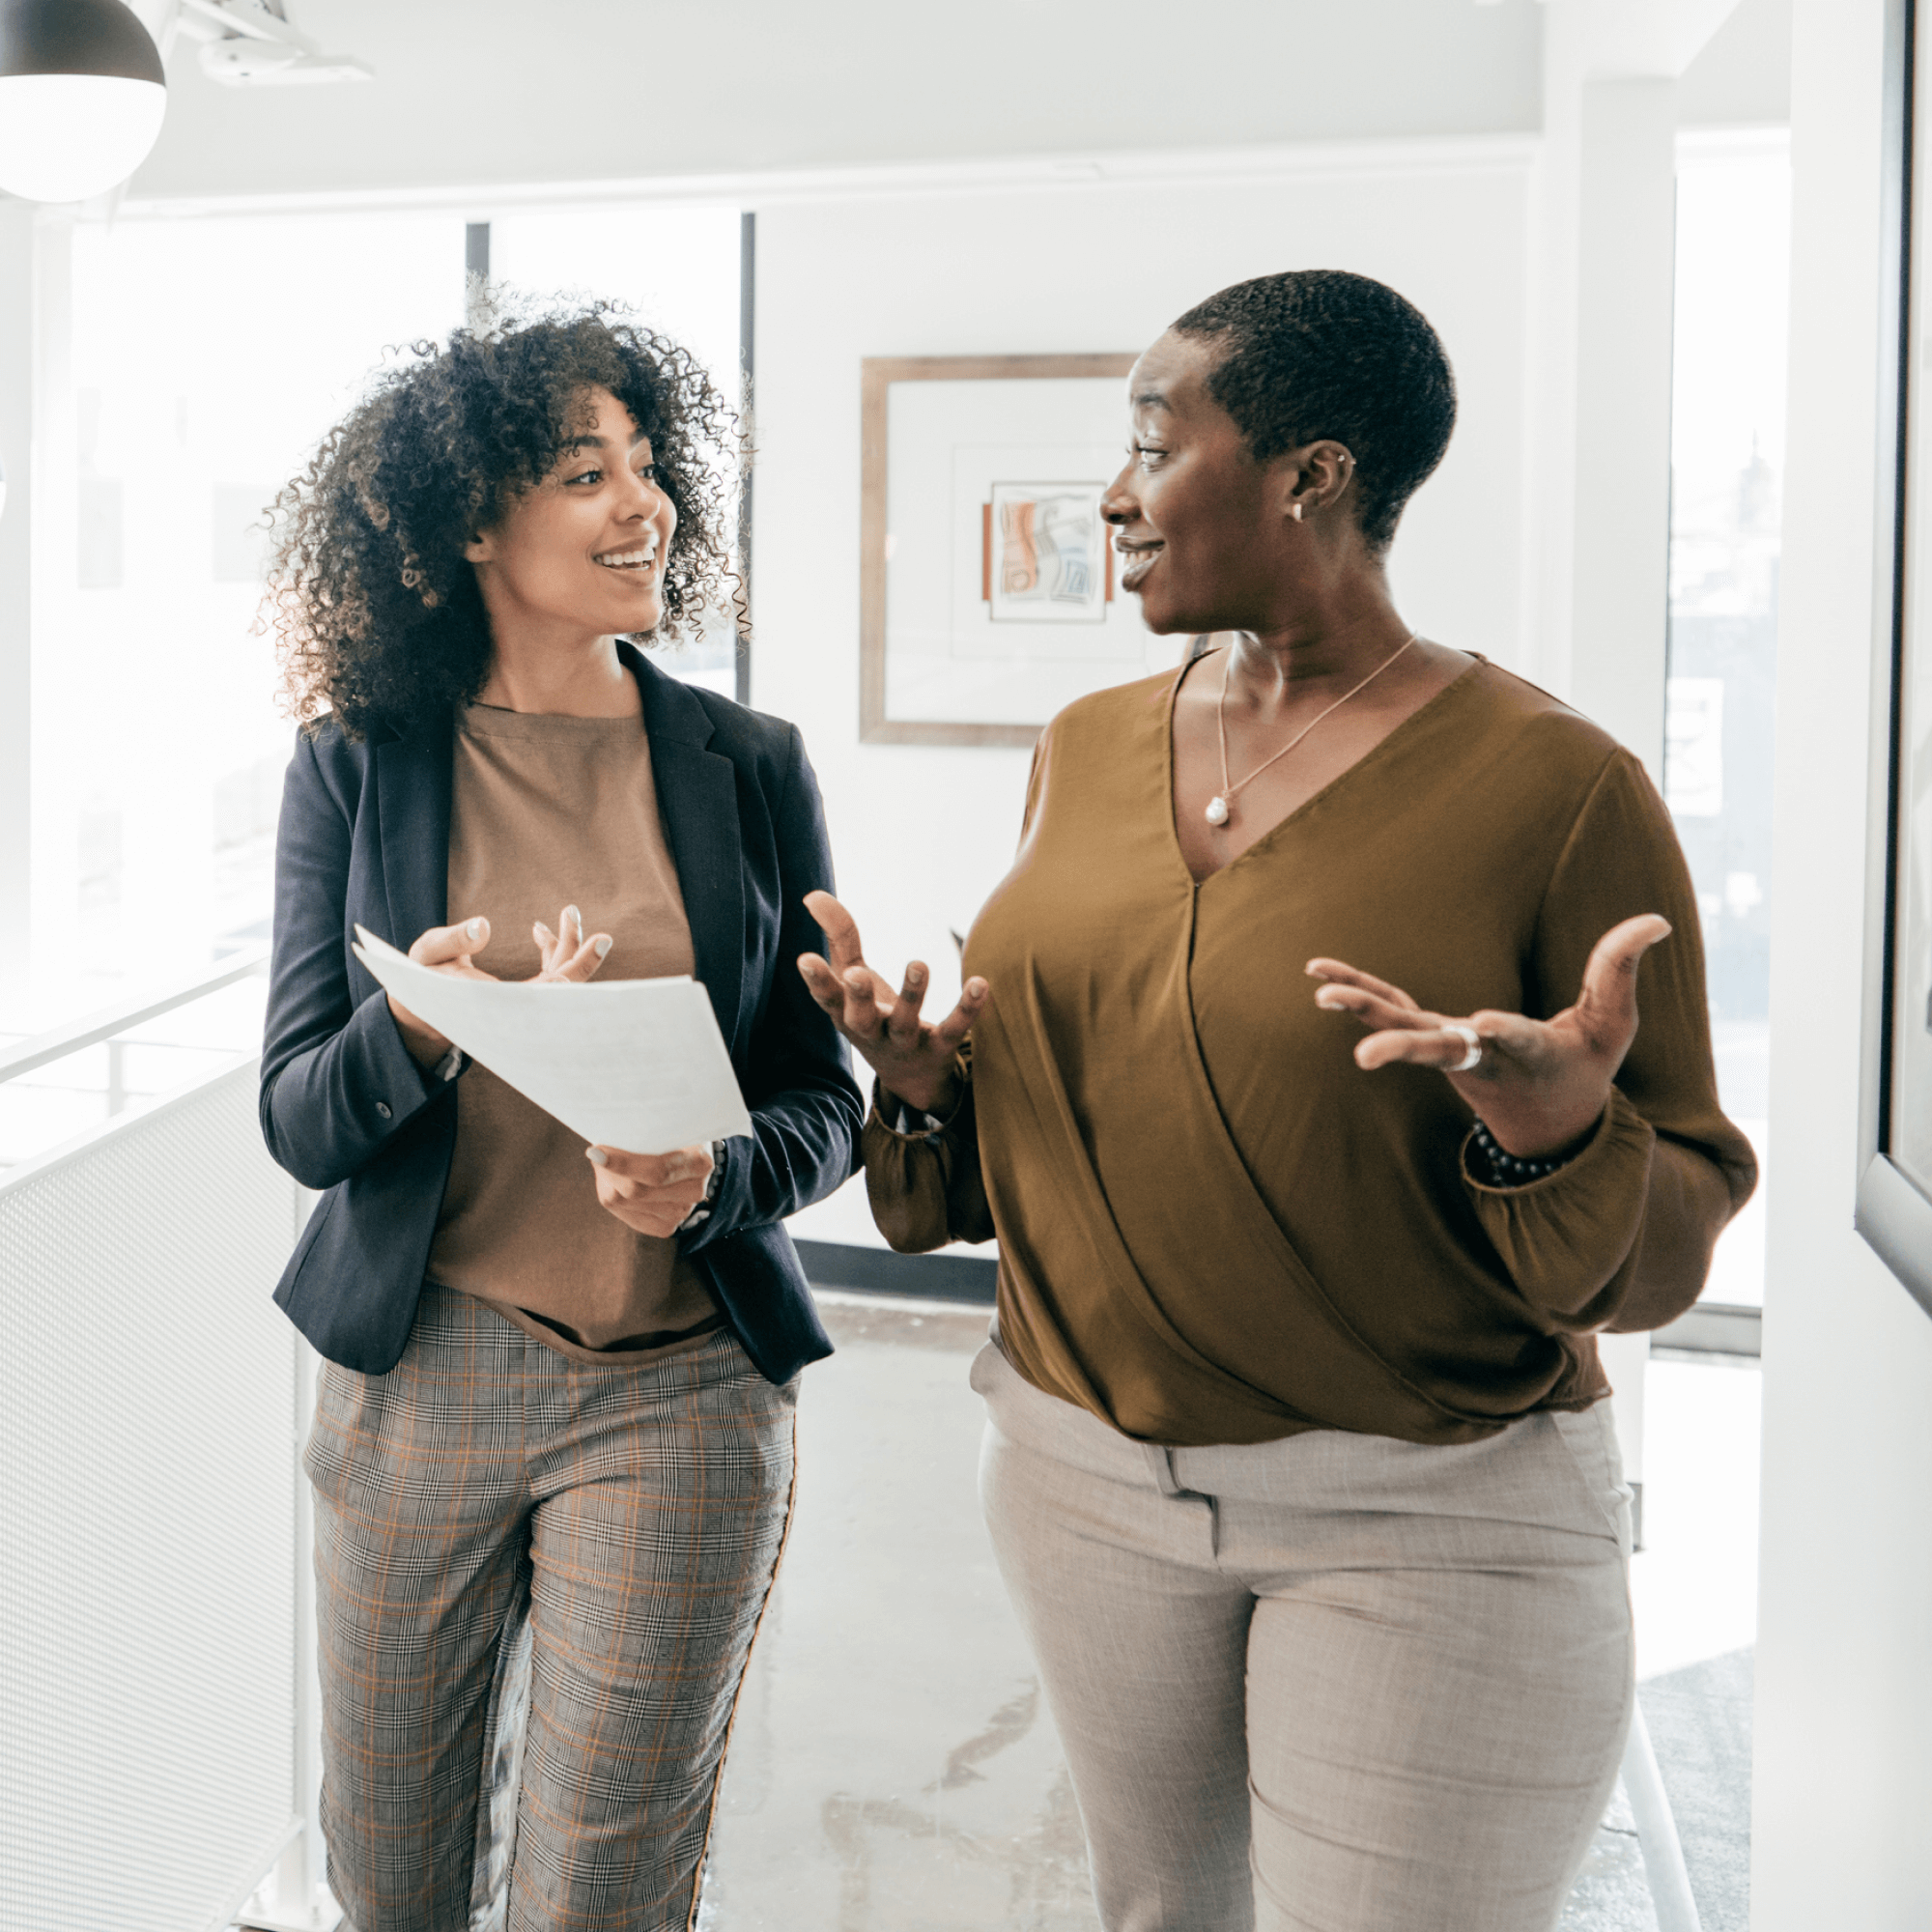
(364, 838)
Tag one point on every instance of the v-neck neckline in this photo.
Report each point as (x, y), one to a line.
(1374, 752)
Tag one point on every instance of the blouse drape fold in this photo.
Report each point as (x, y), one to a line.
(1213, 1226)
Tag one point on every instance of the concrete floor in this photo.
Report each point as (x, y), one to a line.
(893, 1768)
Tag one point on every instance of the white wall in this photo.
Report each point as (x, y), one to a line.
(1842, 1814)
(16, 453)
(922, 832)
(1743, 77)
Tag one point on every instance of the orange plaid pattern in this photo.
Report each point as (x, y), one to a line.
(639, 1512)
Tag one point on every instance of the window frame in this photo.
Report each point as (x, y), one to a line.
(1894, 1213)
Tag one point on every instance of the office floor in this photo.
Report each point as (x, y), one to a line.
(894, 1769)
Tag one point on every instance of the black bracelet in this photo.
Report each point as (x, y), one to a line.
(1494, 1167)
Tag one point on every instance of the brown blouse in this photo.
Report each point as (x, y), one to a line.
(548, 810)
(1213, 1226)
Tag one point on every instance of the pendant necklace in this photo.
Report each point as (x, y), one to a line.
(1220, 806)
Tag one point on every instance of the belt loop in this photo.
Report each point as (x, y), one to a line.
(1160, 1466)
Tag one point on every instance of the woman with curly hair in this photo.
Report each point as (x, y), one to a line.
(561, 1381)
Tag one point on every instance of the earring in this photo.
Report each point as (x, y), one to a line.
(1294, 511)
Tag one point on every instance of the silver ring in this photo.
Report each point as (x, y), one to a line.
(1475, 1044)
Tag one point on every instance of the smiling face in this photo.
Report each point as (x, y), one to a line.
(1199, 525)
(583, 553)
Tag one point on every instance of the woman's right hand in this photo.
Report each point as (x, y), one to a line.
(566, 954)
(912, 1057)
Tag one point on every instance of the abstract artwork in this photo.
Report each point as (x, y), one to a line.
(988, 600)
(1047, 555)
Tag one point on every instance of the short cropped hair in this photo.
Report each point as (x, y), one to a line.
(1318, 353)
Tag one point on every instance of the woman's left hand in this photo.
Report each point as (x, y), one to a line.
(568, 953)
(1540, 1085)
(651, 1192)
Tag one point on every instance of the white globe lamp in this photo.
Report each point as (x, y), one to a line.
(81, 97)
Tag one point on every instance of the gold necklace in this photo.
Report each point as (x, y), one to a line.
(1219, 810)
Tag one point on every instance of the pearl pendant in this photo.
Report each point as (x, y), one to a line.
(1217, 812)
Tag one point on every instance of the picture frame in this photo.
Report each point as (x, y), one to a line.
(1895, 1196)
(988, 598)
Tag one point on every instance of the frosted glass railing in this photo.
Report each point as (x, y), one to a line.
(161, 1765)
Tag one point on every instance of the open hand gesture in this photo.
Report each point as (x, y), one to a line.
(566, 956)
(1537, 1085)
(912, 1057)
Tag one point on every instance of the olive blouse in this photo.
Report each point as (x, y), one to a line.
(1213, 1226)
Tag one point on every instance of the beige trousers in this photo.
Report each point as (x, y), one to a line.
(1332, 1684)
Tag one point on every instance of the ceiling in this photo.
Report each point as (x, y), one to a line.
(480, 91)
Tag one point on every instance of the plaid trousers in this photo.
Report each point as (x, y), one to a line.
(638, 1513)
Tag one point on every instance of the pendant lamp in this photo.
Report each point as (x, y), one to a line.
(81, 97)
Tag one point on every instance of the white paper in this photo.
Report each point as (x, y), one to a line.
(637, 1065)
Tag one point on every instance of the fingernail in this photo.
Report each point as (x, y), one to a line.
(571, 914)
(596, 1158)
(474, 930)
(603, 946)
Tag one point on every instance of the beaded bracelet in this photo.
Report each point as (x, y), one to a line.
(1494, 1167)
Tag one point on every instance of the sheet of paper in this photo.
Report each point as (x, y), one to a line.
(637, 1063)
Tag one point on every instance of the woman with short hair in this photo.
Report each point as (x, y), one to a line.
(1300, 1467)
(561, 1381)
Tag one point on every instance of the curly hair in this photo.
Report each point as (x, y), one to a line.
(1318, 353)
(377, 614)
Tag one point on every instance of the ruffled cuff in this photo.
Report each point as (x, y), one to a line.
(1570, 1236)
(925, 1185)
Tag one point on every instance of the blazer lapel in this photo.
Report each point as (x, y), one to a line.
(412, 792)
(697, 802)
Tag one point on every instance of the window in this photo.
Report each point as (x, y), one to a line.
(205, 357)
(1727, 455)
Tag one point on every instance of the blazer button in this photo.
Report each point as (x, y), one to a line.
(383, 1108)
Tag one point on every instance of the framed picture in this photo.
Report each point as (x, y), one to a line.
(1895, 1204)
(988, 598)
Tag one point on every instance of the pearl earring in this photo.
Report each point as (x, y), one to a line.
(1294, 511)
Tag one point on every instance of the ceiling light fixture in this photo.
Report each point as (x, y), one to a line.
(81, 97)
(253, 44)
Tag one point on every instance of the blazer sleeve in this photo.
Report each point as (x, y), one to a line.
(337, 1081)
(805, 1105)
